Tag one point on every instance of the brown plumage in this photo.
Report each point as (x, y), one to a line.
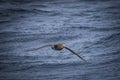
(57, 47)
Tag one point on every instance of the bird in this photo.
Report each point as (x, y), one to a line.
(57, 47)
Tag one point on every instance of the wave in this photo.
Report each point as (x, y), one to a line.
(115, 37)
(16, 11)
(96, 29)
(107, 29)
(4, 21)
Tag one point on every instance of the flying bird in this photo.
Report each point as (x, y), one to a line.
(57, 47)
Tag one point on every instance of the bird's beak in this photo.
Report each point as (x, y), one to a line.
(53, 47)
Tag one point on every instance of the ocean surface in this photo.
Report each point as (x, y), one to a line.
(89, 27)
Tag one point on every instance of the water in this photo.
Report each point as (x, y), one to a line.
(90, 27)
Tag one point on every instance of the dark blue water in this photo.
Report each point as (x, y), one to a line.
(90, 27)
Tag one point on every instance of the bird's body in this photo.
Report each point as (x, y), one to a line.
(58, 47)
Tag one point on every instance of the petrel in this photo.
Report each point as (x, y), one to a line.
(57, 47)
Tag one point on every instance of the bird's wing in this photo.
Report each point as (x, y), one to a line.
(75, 53)
(33, 49)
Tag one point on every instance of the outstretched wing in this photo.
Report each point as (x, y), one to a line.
(33, 49)
(75, 53)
